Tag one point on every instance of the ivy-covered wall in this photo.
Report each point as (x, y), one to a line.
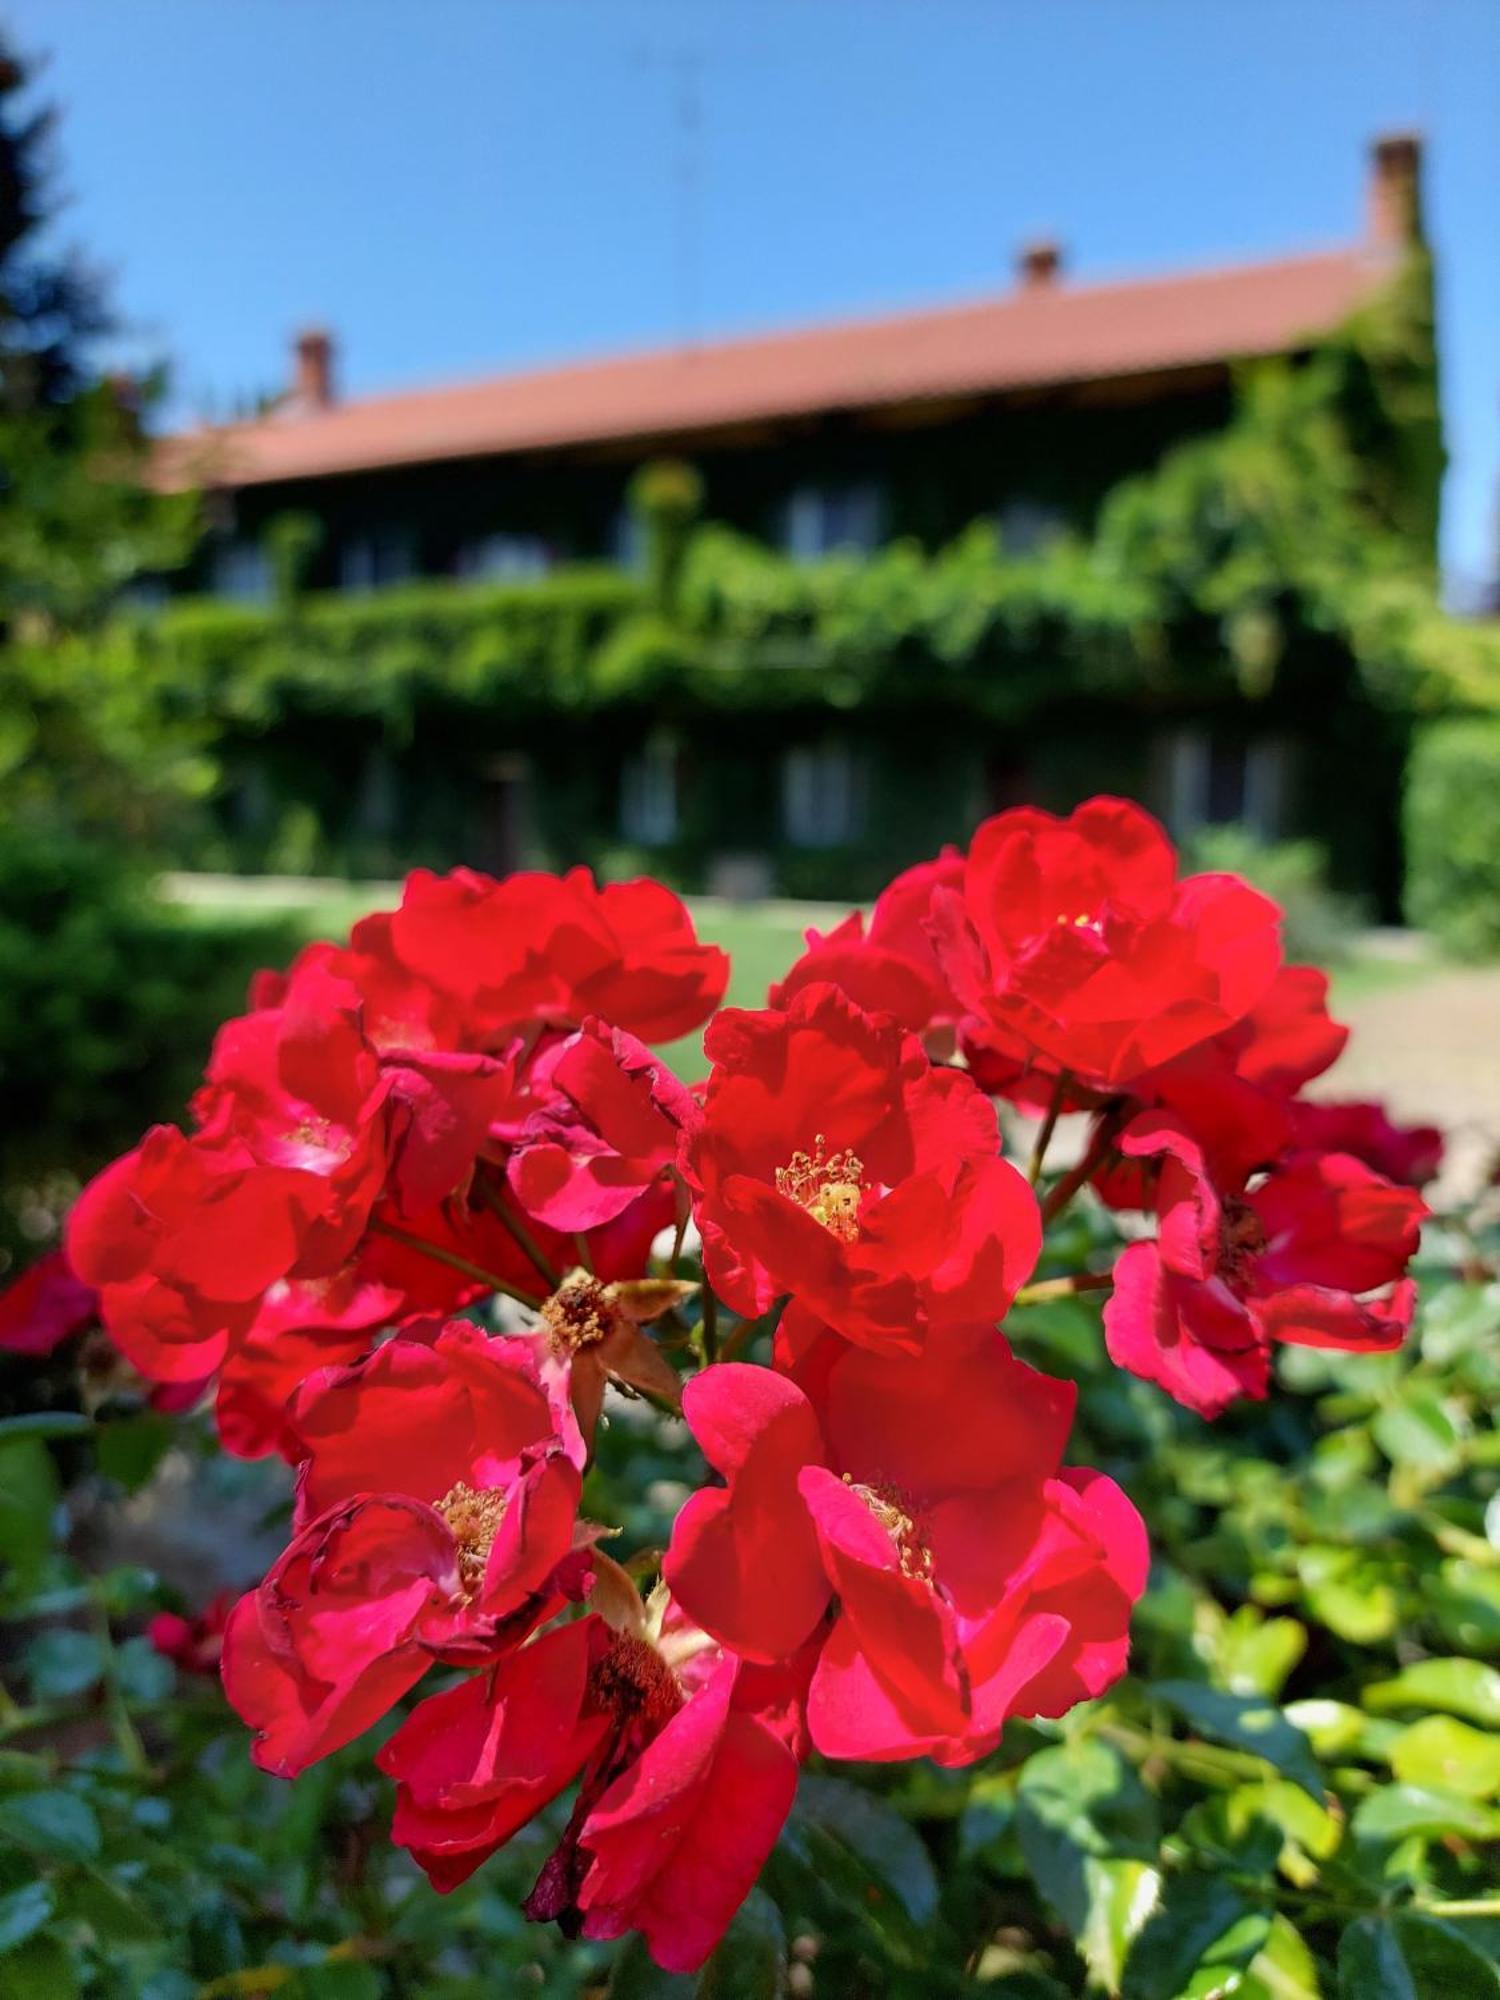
(1270, 581)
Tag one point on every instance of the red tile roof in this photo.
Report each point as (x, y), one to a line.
(1029, 339)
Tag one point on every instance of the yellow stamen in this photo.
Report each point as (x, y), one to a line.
(474, 1515)
(829, 1186)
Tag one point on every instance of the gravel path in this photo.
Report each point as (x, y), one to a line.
(1431, 1050)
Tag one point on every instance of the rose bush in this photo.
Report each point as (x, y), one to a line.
(444, 1232)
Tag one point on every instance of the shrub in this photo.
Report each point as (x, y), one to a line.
(1453, 834)
(108, 1002)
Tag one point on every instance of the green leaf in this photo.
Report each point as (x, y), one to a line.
(1449, 1756)
(1120, 1897)
(23, 1912)
(342, 1979)
(1396, 1811)
(130, 1449)
(1458, 1687)
(143, 1673)
(635, 1975)
(1074, 1802)
(1349, 1593)
(1255, 1654)
(1334, 1728)
(1408, 1957)
(63, 1662)
(1284, 1969)
(1465, 1601)
(112, 1912)
(988, 1816)
(834, 1810)
(1418, 1431)
(750, 1963)
(1204, 1934)
(57, 1825)
(1246, 1723)
(41, 1969)
(1088, 1832)
(28, 1504)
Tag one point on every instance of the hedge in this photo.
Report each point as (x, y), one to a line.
(1453, 833)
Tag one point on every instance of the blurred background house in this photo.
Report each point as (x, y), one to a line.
(752, 756)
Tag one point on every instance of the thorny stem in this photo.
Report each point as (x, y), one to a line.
(455, 1263)
(1048, 1127)
(1063, 1288)
(518, 1230)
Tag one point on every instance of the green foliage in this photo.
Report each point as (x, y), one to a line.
(1453, 834)
(108, 1004)
(1295, 1795)
(77, 519)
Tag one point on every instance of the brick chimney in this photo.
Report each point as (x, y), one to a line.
(1039, 265)
(1393, 211)
(312, 371)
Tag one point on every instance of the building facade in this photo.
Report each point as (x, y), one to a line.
(1024, 412)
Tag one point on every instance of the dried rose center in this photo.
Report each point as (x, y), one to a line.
(578, 1314)
(1242, 1240)
(634, 1682)
(829, 1186)
(892, 1514)
(473, 1514)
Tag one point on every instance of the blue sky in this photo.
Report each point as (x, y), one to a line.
(456, 185)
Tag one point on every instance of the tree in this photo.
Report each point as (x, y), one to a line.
(77, 517)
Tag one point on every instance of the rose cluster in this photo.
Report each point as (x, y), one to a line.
(440, 1196)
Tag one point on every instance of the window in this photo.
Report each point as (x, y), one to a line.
(1222, 784)
(504, 558)
(648, 793)
(379, 555)
(240, 570)
(821, 519)
(821, 802)
(1027, 526)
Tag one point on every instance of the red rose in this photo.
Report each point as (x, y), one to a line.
(435, 1515)
(1235, 1268)
(1234, 1094)
(302, 1325)
(835, 1163)
(180, 1239)
(44, 1306)
(1075, 946)
(555, 949)
(192, 1644)
(686, 1781)
(892, 967)
(611, 1128)
(967, 1576)
(1409, 1154)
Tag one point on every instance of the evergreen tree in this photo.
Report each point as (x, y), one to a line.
(77, 518)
